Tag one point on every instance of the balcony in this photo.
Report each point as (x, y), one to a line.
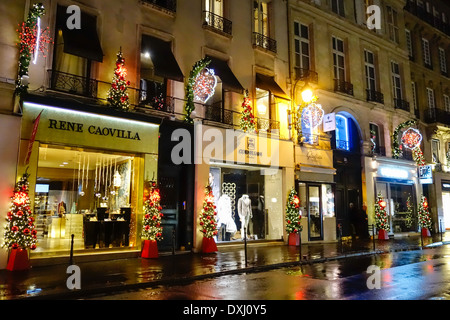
(429, 18)
(161, 103)
(216, 113)
(343, 87)
(260, 40)
(375, 96)
(73, 84)
(306, 75)
(168, 6)
(435, 115)
(217, 23)
(268, 125)
(402, 105)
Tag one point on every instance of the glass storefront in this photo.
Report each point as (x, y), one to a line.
(85, 193)
(397, 195)
(246, 198)
(317, 204)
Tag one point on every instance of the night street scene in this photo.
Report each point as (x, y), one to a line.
(225, 158)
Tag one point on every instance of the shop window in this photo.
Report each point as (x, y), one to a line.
(435, 150)
(86, 193)
(246, 198)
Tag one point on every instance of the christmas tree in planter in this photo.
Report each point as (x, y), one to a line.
(381, 218)
(247, 122)
(152, 229)
(208, 222)
(20, 232)
(424, 217)
(117, 95)
(293, 218)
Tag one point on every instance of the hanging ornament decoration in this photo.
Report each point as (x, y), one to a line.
(190, 86)
(312, 116)
(205, 85)
(411, 138)
(396, 146)
(32, 41)
(247, 122)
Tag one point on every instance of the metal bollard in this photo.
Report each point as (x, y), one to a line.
(245, 245)
(71, 251)
(373, 236)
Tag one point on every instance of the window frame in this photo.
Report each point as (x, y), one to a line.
(426, 52)
(367, 66)
(392, 22)
(336, 55)
(431, 102)
(301, 40)
(396, 76)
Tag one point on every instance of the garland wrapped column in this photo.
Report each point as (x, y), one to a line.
(190, 86)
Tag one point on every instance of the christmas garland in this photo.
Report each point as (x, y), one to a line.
(396, 149)
(196, 69)
(27, 45)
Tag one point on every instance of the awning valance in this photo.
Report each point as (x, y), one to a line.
(268, 83)
(223, 71)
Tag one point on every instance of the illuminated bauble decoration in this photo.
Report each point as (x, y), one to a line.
(312, 115)
(383, 204)
(425, 204)
(20, 198)
(411, 138)
(205, 85)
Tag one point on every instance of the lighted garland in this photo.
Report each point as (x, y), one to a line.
(247, 122)
(396, 146)
(28, 40)
(190, 96)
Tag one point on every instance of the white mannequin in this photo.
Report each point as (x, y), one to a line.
(245, 212)
(224, 214)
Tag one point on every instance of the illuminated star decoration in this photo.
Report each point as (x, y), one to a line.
(411, 139)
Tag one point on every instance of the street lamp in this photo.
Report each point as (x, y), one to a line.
(307, 94)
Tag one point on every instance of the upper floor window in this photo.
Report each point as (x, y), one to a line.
(392, 20)
(261, 17)
(426, 52)
(447, 103)
(430, 98)
(369, 61)
(396, 81)
(414, 97)
(337, 6)
(443, 61)
(338, 59)
(302, 46)
(214, 6)
(435, 150)
(409, 45)
(375, 138)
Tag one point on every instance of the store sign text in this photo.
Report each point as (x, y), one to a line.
(94, 130)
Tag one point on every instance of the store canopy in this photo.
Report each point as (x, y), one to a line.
(268, 83)
(83, 42)
(164, 62)
(223, 71)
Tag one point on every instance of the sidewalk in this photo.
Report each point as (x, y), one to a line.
(106, 276)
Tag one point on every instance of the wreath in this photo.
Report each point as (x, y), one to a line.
(196, 69)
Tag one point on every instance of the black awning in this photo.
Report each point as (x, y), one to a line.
(163, 59)
(82, 42)
(269, 84)
(222, 70)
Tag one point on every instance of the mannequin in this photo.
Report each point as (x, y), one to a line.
(225, 220)
(245, 212)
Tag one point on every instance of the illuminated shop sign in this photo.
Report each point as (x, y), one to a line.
(393, 173)
(426, 175)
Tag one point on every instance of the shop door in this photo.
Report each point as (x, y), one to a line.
(446, 207)
(315, 225)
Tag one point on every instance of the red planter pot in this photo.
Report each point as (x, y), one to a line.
(426, 232)
(150, 249)
(294, 239)
(383, 235)
(18, 260)
(209, 245)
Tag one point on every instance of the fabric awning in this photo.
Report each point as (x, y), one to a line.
(164, 62)
(82, 42)
(223, 71)
(268, 83)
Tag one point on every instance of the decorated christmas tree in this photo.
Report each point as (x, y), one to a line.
(381, 218)
(20, 232)
(409, 213)
(424, 214)
(208, 223)
(117, 95)
(293, 215)
(247, 122)
(152, 229)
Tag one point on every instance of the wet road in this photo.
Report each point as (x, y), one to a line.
(405, 275)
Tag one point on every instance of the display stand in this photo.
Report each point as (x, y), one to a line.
(383, 235)
(18, 260)
(209, 245)
(150, 249)
(426, 232)
(294, 239)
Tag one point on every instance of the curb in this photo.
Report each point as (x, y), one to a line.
(90, 292)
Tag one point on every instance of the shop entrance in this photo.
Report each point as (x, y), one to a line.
(446, 208)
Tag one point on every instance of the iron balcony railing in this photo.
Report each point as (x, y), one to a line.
(434, 115)
(216, 113)
(73, 84)
(343, 86)
(264, 42)
(428, 17)
(164, 5)
(306, 75)
(217, 22)
(267, 125)
(402, 105)
(159, 103)
(375, 96)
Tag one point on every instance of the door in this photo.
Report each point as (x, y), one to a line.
(315, 225)
(446, 207)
